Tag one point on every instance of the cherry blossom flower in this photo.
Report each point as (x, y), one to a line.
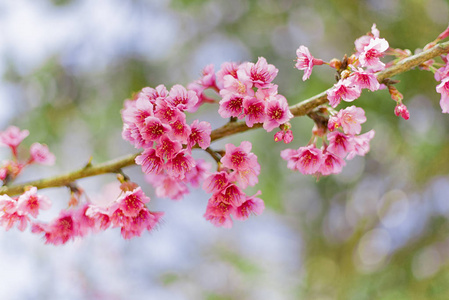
(182, 99)
(219, 213)
(332, 164)
(167, 187)
(227, 68)
(260, 74)
(231, 105)
(200, 134)
(132, 202)
(339, 143)
(60, 230)
(305, 61)
(364, 80)
(254, 110)
(307, 159)
(360, 144)
(30, 203)
(150, 161)
(251, 205)
(198, 173)
(236, 86)
(370, 56)
(13, 136)
(364, 41)
(350, 119)
(166, 148)
(180, 164)
(344, 89)
(100, 215)
(216, 182)
(40, 154)
(154, 129)
(443, 89)
(277, 113)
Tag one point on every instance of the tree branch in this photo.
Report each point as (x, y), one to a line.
(300, 109)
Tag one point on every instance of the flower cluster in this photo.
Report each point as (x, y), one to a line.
(12, 137)
(156, 122)
(247, 92)
(239, 170)
(128, 212)
(18, 210)
(329, 159)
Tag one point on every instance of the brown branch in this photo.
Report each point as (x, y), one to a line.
(299, 109)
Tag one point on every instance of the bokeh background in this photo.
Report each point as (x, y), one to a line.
(379, 230)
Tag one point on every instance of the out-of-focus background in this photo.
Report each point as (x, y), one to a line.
(379, 230)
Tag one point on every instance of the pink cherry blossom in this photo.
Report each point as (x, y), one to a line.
(364, 80)
(152, 95)
(182, 99)
(200, 134)
(342, 90)
(216, 182)
(100, 215)
(180, 131)
(198, 173)
(305, 61)
(307, 159)
(236, 86)
(243, 162)
(332, 164)
(40, 154)
(239, 158)
(167, 148)
(167, 187)
(232, 194)
(166, 112)
(260, 73)
(60, 230)
(360, 144)
(227, 68)
(134, 226)
(251, 205)
(277, 113)
(180, 164)
(254, 110)
(370, 56)
(364, 41)
(208, 76)
(154, 129)
(443, 89)
(13, 136)
(401, 110)
(350, 119)
(8, 204)
(231, 106)
(131, 202)
(151, 163)
(219, 213)
(30, 203)
(8, 220)
(339, 143)
(292, 157)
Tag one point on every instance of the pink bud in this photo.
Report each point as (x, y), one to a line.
(401, 110)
